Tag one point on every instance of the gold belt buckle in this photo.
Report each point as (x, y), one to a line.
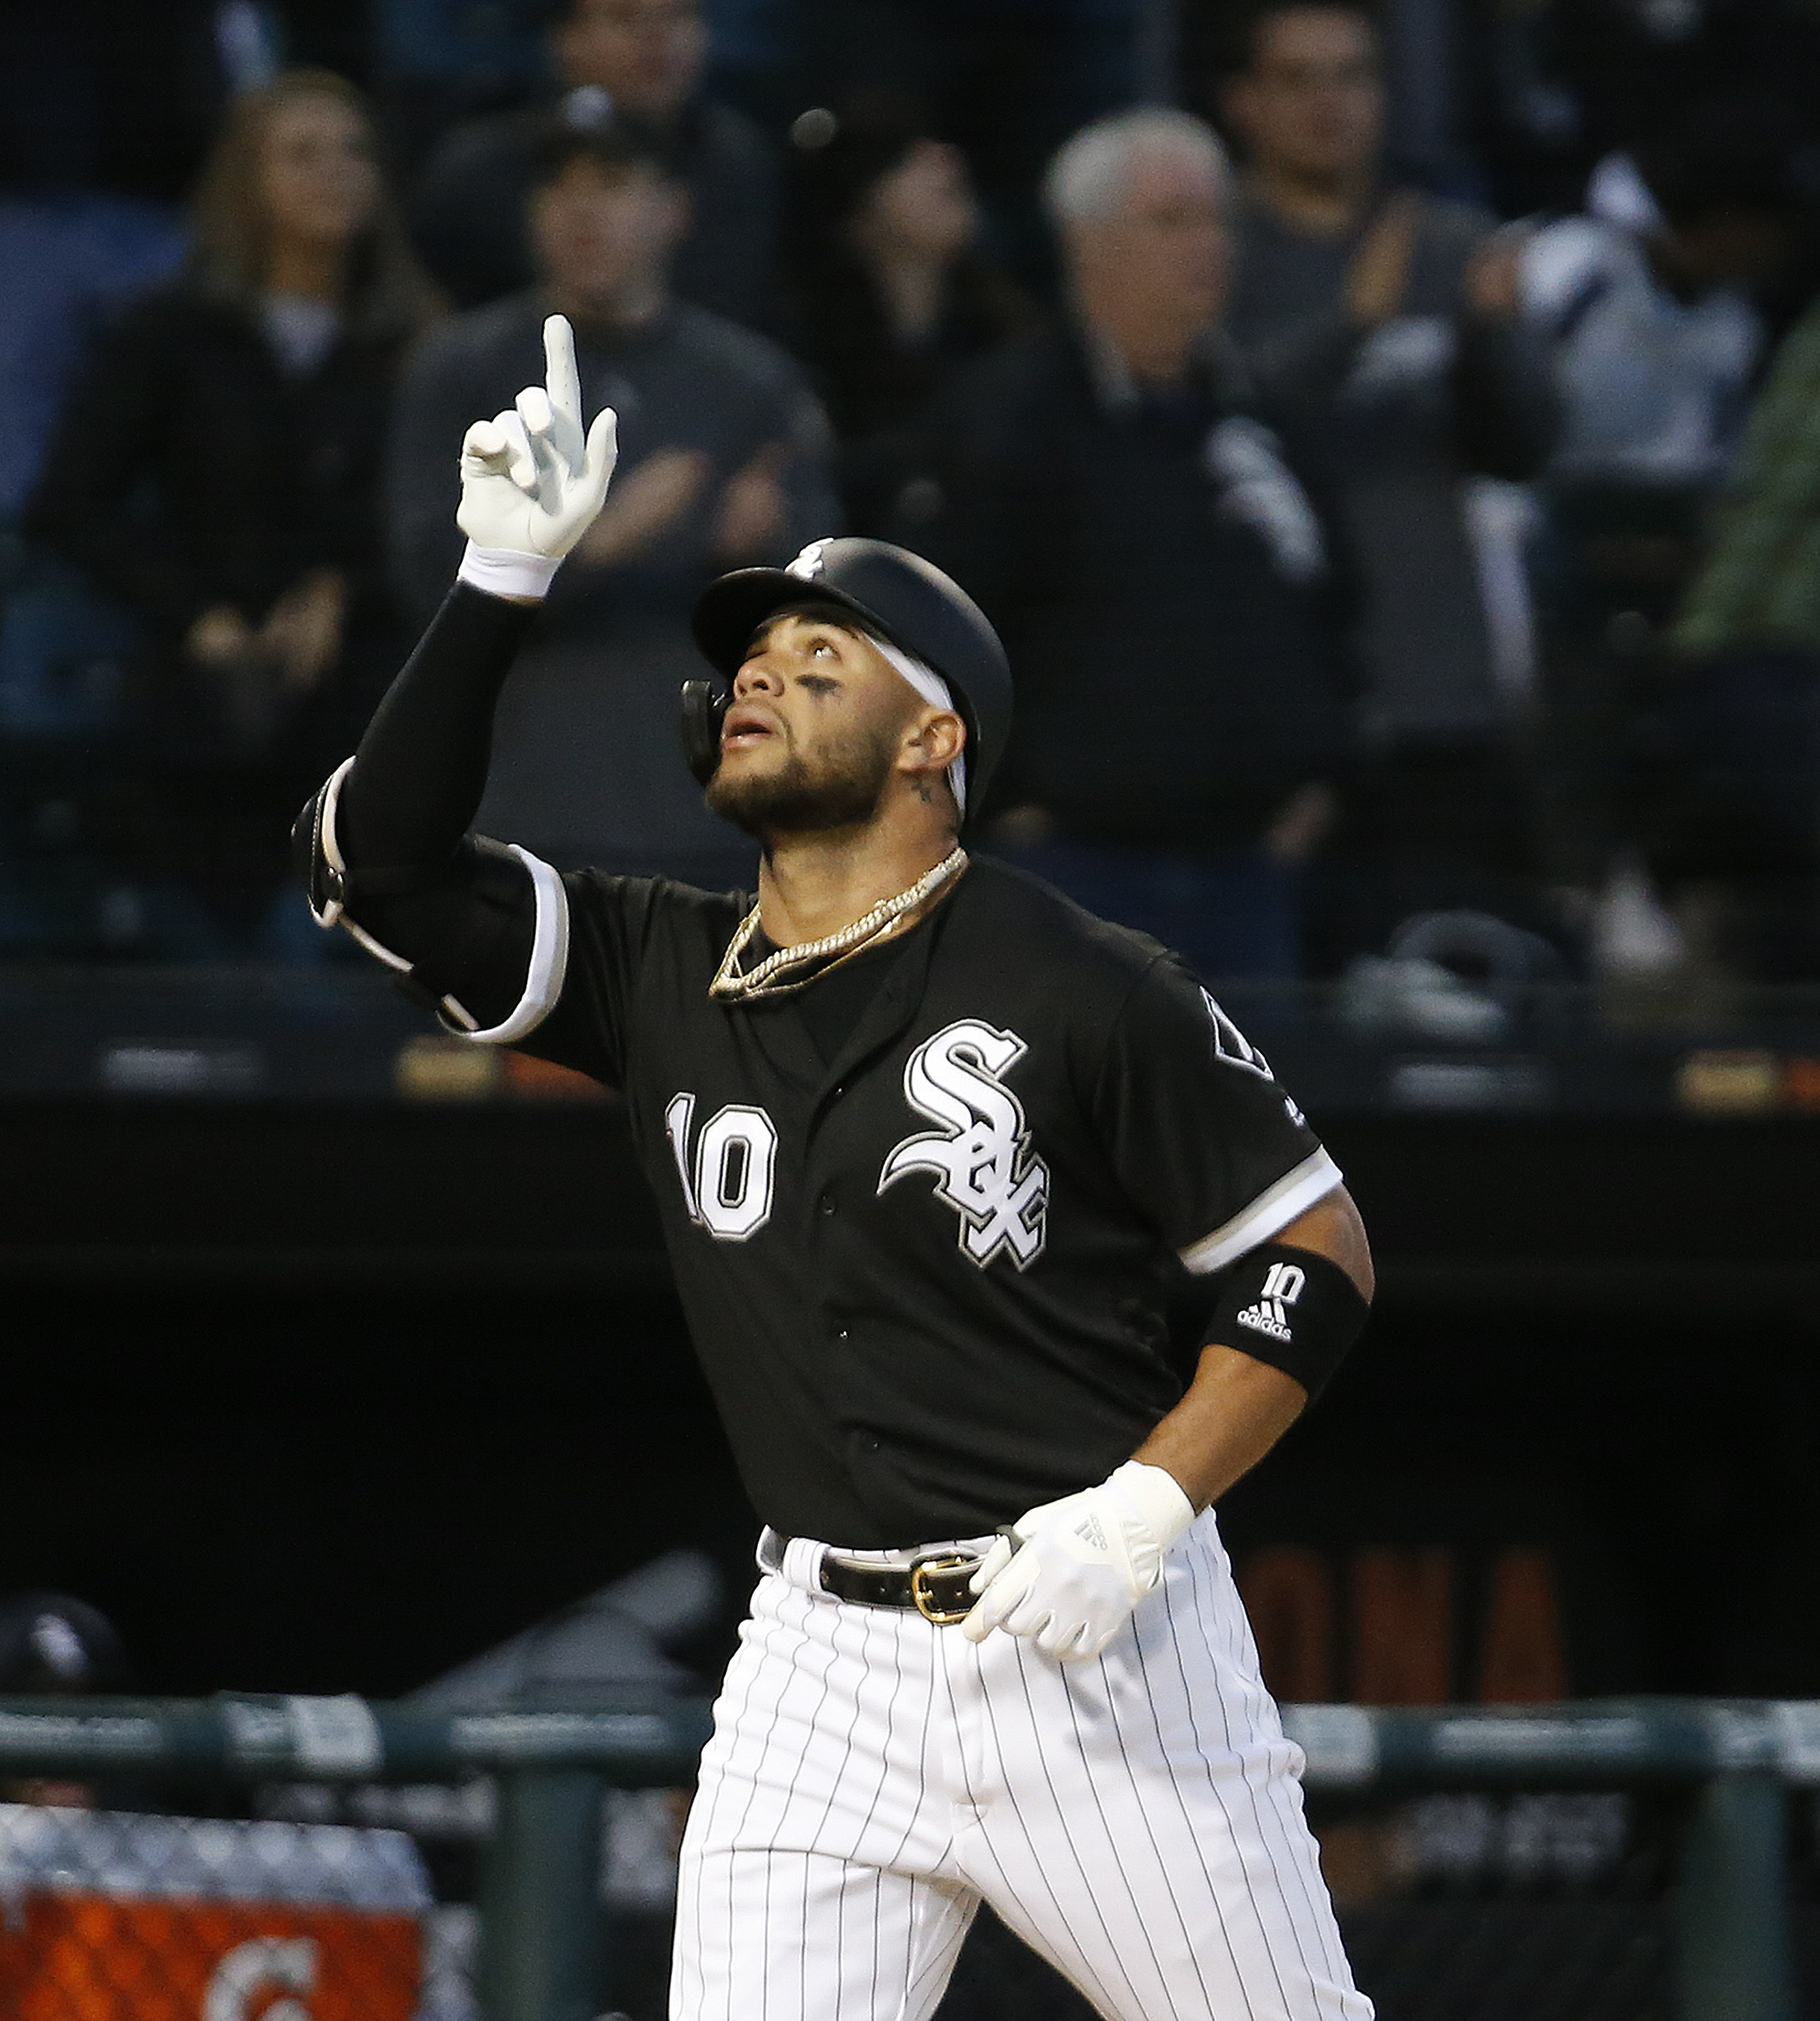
(943, 1617)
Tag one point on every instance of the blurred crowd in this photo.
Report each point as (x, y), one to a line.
(1388, 437)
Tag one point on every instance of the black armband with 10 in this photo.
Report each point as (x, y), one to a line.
(1292, 1308)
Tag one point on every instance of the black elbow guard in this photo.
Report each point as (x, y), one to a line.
(455, 917)
(332, 886)
(1297, 1311)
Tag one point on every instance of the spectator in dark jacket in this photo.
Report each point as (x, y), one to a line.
(624, 61)
(217, 468)
(1395, 315)
(888, 292)
(1384, 323)
(723, 461)
(1157, 570)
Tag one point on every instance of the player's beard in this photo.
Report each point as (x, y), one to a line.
(841, 789)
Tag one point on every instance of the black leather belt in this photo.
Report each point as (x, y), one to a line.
(936, 1586)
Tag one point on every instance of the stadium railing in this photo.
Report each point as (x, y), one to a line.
(257, 1890)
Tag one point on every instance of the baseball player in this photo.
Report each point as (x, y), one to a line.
(931, 1146)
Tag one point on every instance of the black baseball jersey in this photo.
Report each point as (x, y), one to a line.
(925, 1246)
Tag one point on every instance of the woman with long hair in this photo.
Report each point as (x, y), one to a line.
(217, 469)
(889, 292)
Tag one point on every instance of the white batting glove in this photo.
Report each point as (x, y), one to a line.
(531, 481)
(1084, 1562)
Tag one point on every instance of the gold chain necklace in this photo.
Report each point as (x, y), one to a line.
(775, 976)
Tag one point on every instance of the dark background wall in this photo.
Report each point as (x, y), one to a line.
(318, 1400)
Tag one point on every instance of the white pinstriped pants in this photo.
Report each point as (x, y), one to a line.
(1137, 1819)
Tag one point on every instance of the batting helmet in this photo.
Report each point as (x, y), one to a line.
(906, 600)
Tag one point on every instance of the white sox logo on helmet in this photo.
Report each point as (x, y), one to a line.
(812, 561)
(981, 1156)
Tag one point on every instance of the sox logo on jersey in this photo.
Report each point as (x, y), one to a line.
(981, 1156)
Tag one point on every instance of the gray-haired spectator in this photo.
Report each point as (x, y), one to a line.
(723, 460)
(636, 61)
(1384, 321)
(1157, 571)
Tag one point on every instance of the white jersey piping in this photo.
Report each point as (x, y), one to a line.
(548, 965)
(549, 962)
(1273, 1210)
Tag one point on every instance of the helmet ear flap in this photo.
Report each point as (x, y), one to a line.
(704, 707)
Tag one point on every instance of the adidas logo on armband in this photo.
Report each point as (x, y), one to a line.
(1283, 1283)
(1267, 1317)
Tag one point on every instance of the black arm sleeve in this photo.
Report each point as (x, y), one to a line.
(421, 768)
(455, 912)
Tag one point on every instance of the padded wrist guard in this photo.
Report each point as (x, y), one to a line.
(1291, 1308)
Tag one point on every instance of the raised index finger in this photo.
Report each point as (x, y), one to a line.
(562, 381)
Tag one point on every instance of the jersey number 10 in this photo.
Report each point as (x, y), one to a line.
(727, 1183)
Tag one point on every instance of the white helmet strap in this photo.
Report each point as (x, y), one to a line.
(936, 692)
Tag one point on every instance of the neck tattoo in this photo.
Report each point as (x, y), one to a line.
(782, 971)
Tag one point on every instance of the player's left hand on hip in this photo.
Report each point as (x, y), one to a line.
(1081, 1564)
